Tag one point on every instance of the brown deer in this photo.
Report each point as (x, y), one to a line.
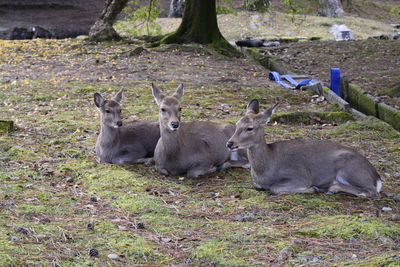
(123, 143)
(301, 166)
(191, 148)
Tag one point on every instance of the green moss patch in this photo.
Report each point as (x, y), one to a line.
(309, 117)
(347, 226)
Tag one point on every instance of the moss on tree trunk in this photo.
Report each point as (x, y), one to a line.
(199, 25)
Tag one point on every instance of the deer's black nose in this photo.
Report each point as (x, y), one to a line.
(175, 124)
(119, 123)
(229, 144)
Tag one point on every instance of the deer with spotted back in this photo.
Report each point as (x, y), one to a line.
(300, 165)
(123, 143)
(191, 148)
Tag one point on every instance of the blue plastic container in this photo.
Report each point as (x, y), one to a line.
(335, 80)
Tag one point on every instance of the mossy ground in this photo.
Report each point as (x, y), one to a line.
(52, 186)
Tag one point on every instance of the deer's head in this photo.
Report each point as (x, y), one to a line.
(169, 108)
(110, 109)
(250, 128)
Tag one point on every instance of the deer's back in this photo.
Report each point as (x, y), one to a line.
(317, 160)
(143, 132)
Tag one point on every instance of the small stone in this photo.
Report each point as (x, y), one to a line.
(395, 218)
(7, 203)
(94, 199)
(4, 159)
(90, 226)
(397, 175)
(352, 240)
(113, 256)
(29, 186)
(22, 230)
(15, 239)
(69, 180)
(53, 184)
(93, 252)
(242, 218)
(45, 220)
(354, 257)
(114, 197)
(386, 209)
(140, 226)
(396, 198)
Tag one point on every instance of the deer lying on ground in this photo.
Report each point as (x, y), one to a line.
(191, 148)
(118, 143)
(301, 166)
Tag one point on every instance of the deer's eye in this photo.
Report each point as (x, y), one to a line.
(180, 109)
(119, 111)
(108, 111)
(163, 110)
(249, 129)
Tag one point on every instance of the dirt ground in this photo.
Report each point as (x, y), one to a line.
(372, 64)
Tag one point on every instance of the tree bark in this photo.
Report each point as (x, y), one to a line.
(331, 8)
(103, 30)
(257, 5)
(199, 25)
(176, 9)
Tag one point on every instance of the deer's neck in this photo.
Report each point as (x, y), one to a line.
(109, 136)
(171, 141)
(260, 157)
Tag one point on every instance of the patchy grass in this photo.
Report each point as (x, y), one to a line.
(52, 186)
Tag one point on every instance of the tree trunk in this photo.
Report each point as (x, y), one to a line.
(257, 5)
(331, 8)
(199, 25)
(176, 9)
(102, 30)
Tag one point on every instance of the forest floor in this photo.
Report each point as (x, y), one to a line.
(52, 187)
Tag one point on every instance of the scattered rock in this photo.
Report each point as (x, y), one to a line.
(90, 226)
(354, 257)
(140, 226)
(15, 239)
(352, 240)
(137, 51)
(396, 198)
(397, 175)
(22, 230)
(93, 252)
(395, 218)
(69, 180)
(94, 199)
(239, 218)
(7, 203)
(386, 209)
(29, 186)
(4, 159)
(113, 256)
(285, 254)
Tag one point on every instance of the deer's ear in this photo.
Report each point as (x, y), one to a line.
(253, 107)
(118, 96)
(158, 96)
(98, 100)
(179, 92)
(267, 115)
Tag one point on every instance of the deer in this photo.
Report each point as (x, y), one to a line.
(123, 143)
(191, 148)
(301, 165)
